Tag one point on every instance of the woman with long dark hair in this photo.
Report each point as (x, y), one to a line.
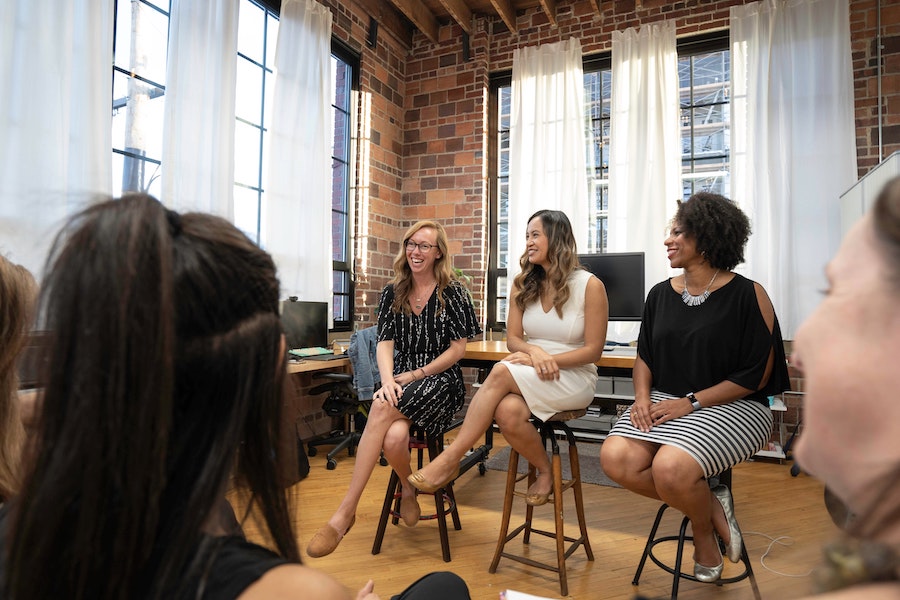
(167, 362)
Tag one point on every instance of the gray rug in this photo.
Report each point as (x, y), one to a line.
(588, 459)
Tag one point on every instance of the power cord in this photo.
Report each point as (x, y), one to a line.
(783, 540)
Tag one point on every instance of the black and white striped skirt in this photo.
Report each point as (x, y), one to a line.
(717, 437)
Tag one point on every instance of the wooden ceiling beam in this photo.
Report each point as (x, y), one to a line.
(420, 16)
(549, 7)
(508, 13)
(460, 12)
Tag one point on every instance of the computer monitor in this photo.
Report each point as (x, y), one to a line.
(305, 323)
(623, 275)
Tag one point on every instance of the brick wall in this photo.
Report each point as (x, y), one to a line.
(423, 114)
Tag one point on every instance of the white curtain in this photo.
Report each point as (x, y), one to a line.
(547, 168)
(198, 129)
(55, 125)
(297, 220)
(793, 142)
(645, 165)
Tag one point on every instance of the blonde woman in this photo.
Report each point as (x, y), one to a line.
(18, 292)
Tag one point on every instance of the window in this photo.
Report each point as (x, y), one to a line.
(704, 81)
(139, 78)
(704, 70)
(345, 79)
(139, 87)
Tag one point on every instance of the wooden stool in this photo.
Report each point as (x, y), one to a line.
(444, 500)
(723, 479)
(549, 429)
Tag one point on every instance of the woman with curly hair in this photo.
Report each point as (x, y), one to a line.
(563, 310)
(425, 318)
(710, 353)
(18, 292)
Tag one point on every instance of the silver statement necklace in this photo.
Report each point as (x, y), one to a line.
(692, 300)
(427, 296)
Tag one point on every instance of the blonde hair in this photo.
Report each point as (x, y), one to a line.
(443, 269)
(18, 294)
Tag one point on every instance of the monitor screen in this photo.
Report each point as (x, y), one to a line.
(623, 275)
(305, 323)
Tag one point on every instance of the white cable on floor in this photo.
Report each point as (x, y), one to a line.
(777, 540)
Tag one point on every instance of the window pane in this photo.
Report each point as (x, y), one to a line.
(137, 116)
(271, 40)
(338, 240)
(250, 31)
(249, 89)
(246, 154)
(246, 211)
(142, 33)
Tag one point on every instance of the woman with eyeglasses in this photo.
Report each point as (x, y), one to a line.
(425, 318)
(563, 310)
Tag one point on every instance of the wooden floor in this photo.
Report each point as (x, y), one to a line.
(769, 504)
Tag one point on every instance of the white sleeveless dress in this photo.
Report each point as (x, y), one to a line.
(575, 387)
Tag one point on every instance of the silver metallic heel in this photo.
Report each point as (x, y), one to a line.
(736, 542)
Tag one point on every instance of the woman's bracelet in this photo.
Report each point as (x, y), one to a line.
(424, 375)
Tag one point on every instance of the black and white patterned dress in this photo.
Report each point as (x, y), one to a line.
(419, 339)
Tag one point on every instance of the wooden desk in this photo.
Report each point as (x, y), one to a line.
(485, 353)
(292, 409)
(308, 366)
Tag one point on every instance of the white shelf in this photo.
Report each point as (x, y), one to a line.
(778, 453)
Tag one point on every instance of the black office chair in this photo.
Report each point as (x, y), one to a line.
(342, 401)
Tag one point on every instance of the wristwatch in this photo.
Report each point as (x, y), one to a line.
(694, 402)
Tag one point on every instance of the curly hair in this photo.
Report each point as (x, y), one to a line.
(562, 255)
(718, 227)
(443, 269)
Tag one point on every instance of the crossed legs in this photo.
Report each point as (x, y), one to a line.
(385, 428)
(498, 399)
(671, 475)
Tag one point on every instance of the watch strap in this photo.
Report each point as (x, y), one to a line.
(694, 402)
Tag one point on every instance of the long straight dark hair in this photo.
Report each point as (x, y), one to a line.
(166, 375)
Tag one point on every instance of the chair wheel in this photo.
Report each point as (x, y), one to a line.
(383, 461)
(482, 469)
(331, 464)
(795, 470)
(312, 450)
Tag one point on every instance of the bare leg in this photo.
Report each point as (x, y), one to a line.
(629, 463)
(512, 416)
(479, 417)
(381, 417)
(681, 484)
(396, 451)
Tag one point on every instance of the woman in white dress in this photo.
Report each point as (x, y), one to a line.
(563, 309)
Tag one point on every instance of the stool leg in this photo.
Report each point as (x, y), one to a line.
(575, 467)
(442, 523)
(556, 468)
(393, 484)
(745, 557)
(679, 556)
(649, 544)
(529, 509)
(511, 474)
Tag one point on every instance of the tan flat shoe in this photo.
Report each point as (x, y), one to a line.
(326, 540)
(410, 511)
(537, 499)
(419, 482)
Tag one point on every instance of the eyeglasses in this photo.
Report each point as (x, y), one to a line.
(424, 247)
